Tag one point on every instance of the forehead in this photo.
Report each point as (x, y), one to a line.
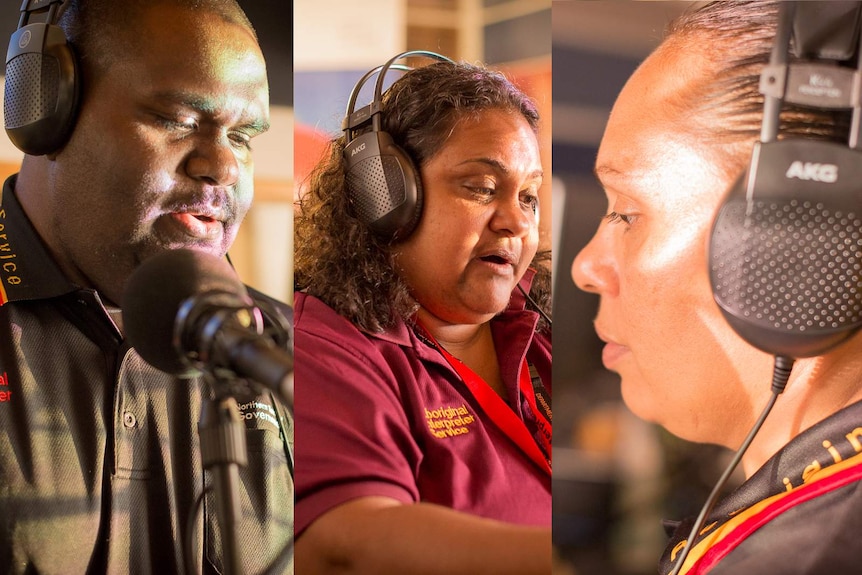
(491, 132)
(187, 48)
(652, 110)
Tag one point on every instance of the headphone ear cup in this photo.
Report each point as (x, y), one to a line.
(383, 185)
(786, 248)
(41, 90)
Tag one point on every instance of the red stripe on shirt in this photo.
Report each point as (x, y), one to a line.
(738, 534)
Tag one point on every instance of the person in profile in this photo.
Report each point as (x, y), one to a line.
(147, 151)
(422, 362)
(674, 163)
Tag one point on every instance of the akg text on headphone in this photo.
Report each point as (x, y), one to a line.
(382, 183)
(42, 86)
(786, 246)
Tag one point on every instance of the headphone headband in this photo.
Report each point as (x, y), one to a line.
(785, 250)
(383, 187)
(355, 118)
(821, 31)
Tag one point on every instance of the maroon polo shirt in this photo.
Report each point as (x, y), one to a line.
(386, 415)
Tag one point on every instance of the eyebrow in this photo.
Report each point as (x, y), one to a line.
(208, 107)
(501, 167)
(605, 172)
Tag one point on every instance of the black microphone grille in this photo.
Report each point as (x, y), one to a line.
(156, 291)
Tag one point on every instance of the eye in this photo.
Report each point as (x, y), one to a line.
(615, 217)
(241, 139)
(531, 201)
(177, 124)
(482, 193)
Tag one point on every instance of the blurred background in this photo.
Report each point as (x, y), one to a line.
(263, 251)
(615, 476)
(336, 42)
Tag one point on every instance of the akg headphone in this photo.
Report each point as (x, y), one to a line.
(382, 183)
(785, 250)
(42, 86)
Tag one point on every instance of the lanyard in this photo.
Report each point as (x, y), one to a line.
(499, 411)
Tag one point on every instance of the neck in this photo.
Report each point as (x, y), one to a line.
(472, 344)
(818, 387)
(452, 336)
(33, 190)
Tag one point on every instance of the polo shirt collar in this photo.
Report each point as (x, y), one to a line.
(27, 270)
(834, 439)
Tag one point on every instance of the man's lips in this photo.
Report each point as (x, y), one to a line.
(197, 225)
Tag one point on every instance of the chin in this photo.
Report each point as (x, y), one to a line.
(638, 402)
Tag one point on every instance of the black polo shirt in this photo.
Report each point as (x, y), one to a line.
(100, 463)
(800, 514)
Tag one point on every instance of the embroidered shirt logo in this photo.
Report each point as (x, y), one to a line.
(258, 415)
(837, 452)
(8, 267)
(448, 421)
(5, 394)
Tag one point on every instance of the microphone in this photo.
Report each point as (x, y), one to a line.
(185, 312)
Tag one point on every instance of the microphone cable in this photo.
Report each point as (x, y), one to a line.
(780, 375)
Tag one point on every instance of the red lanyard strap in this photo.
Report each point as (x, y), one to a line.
(499, 411)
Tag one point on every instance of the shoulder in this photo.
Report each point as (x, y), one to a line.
(322, 336)
(312, 316)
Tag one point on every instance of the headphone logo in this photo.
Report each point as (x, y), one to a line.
(820, 86)
(826, 173)
(24, 40)
(357, 149)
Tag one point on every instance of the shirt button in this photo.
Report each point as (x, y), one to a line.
(129, 419)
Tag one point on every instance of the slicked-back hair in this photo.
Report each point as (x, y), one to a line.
(734, 39)
(339, 260)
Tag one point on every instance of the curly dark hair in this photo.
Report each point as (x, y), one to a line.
(726, 107)
(338, 259)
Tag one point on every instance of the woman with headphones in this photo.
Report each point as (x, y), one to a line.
(731, 168)
(423, 362)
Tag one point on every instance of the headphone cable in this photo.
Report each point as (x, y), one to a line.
(780, 375)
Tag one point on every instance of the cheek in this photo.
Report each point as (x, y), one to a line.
(668, 300)
(448, 230)
(244, 195)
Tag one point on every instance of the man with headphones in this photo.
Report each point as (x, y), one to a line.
(136, 120)
(731, 165)
(422, 360)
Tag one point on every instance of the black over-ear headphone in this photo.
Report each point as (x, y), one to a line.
(41, 93)
(382, 182)
(786, 246)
